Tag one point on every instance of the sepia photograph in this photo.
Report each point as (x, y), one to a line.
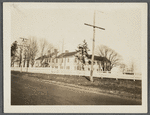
(75, 57)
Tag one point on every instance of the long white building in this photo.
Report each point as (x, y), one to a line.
(69, 61)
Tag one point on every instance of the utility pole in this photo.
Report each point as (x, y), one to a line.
(23, 42)
(91, 73)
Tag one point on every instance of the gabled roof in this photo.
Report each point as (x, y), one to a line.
(98, 58)
(42, 57)
(45, 56)
(68, 54)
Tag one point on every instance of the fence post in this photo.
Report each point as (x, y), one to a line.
(117, 76)
(134, 76)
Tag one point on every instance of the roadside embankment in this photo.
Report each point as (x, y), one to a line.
(123, 88)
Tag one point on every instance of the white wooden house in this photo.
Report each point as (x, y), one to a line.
(69, 61)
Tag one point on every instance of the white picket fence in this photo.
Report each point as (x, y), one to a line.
(79, 73)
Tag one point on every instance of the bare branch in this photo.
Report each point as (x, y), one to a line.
(113, 57)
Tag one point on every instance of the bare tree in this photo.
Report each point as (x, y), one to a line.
(49, 50)
(113, 57)
(30, 51)
(28, 54)
(43, 49)
(20, 55)
(123, 67)
(132, 67)
(24, 56)
(33, 49)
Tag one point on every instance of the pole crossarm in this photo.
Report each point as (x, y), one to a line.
(94, 26)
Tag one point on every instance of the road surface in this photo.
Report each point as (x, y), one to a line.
(33, 91)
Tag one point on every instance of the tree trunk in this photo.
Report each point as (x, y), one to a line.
(20, 62)
(28, 63)
(91, 76)
(24, 63)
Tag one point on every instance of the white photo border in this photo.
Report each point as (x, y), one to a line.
(8, 108)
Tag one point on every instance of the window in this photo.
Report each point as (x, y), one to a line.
(61, 67)
(56, 66)
(94, 63)
(52, 60)
(68, 59)
(56, 60)
(98, 62)
(68, 67)
(78, 68)
(62, 60)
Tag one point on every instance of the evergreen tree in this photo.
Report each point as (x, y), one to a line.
(14, 48)
(82, 53)
(13, 52)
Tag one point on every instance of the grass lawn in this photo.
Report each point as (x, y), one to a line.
(121, 87)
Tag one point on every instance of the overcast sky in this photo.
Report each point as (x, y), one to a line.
(56, 22)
